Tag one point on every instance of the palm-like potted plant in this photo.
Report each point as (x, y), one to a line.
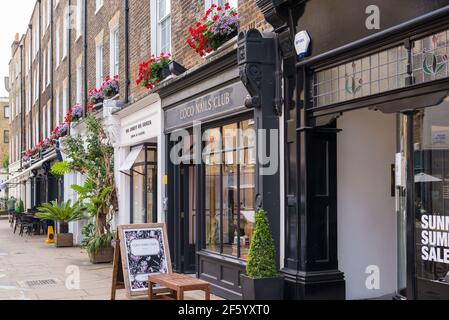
(262, 281)
(63, 213)
(96, 241)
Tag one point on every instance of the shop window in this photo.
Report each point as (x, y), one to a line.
(430, 57)
(144, 186)
(230, 189)
(380, 72)
(431, 167)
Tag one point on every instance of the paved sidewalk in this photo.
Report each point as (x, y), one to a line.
(32, 270)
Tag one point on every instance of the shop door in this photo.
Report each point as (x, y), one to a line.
(188, 218)
(423, 204)
(431, 199)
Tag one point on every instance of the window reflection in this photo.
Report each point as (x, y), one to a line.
(431, 154)
(230, 188)
(144, 187)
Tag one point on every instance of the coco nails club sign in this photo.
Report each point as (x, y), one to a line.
(213, 105)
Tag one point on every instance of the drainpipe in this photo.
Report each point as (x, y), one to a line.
(127, 81)
(69, 67)
(22, 109)
(30, 27)
(51, 75)
(40, 137)
(85, 56)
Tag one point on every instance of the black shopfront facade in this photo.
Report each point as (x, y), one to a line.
(399, 72)
(212, 200)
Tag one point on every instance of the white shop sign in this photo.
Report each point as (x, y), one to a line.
(140, 127)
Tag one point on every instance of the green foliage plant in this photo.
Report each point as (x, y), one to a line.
(262, 252)
(63, 212)
(91, 155)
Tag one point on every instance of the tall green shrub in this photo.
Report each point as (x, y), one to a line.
(262, 252)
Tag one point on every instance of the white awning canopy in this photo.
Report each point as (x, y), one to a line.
(26, 171)
(131, 159)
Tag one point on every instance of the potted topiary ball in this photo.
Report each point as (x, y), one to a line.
(262, 281)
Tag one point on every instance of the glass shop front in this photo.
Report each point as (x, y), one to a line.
(211, 211)
(389, 112)
(428, 139)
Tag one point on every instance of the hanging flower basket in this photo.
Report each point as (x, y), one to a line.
(153, 71)
(217, 26)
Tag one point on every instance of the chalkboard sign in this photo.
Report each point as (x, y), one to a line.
(142, 250)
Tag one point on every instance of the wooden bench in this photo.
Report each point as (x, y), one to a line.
(178, 284)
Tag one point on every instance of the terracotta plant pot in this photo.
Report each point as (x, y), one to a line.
(105, 255)
(64, 240)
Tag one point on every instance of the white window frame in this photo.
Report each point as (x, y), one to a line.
(58, 44)
(65, 31)
(156, 22)
(79, 83)
(65, 98)
(17, 105)
(79, 19)
(35, 87)
(98, 5)
(17, 147)
(7, 114)
(30, 62)
(44, 122)
(44, 70)
(99, 69)
(49, 8)
(114, 52)
(49, 124)
(49, 64)
(57, 106)
(44, 16)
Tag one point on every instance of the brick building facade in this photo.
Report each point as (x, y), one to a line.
(70, 47)
(54, 44)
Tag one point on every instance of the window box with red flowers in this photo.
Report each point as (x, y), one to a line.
(110, 87)
(153, 71)
(95, 96)
(217, 26)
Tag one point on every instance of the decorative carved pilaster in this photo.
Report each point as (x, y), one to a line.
(111, 121)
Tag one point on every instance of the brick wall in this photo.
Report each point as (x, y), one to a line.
(139, 42)
(61, 67)
(97, 23)
(187, 12)
(183, 14)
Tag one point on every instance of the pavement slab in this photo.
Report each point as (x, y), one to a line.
(32, 270)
